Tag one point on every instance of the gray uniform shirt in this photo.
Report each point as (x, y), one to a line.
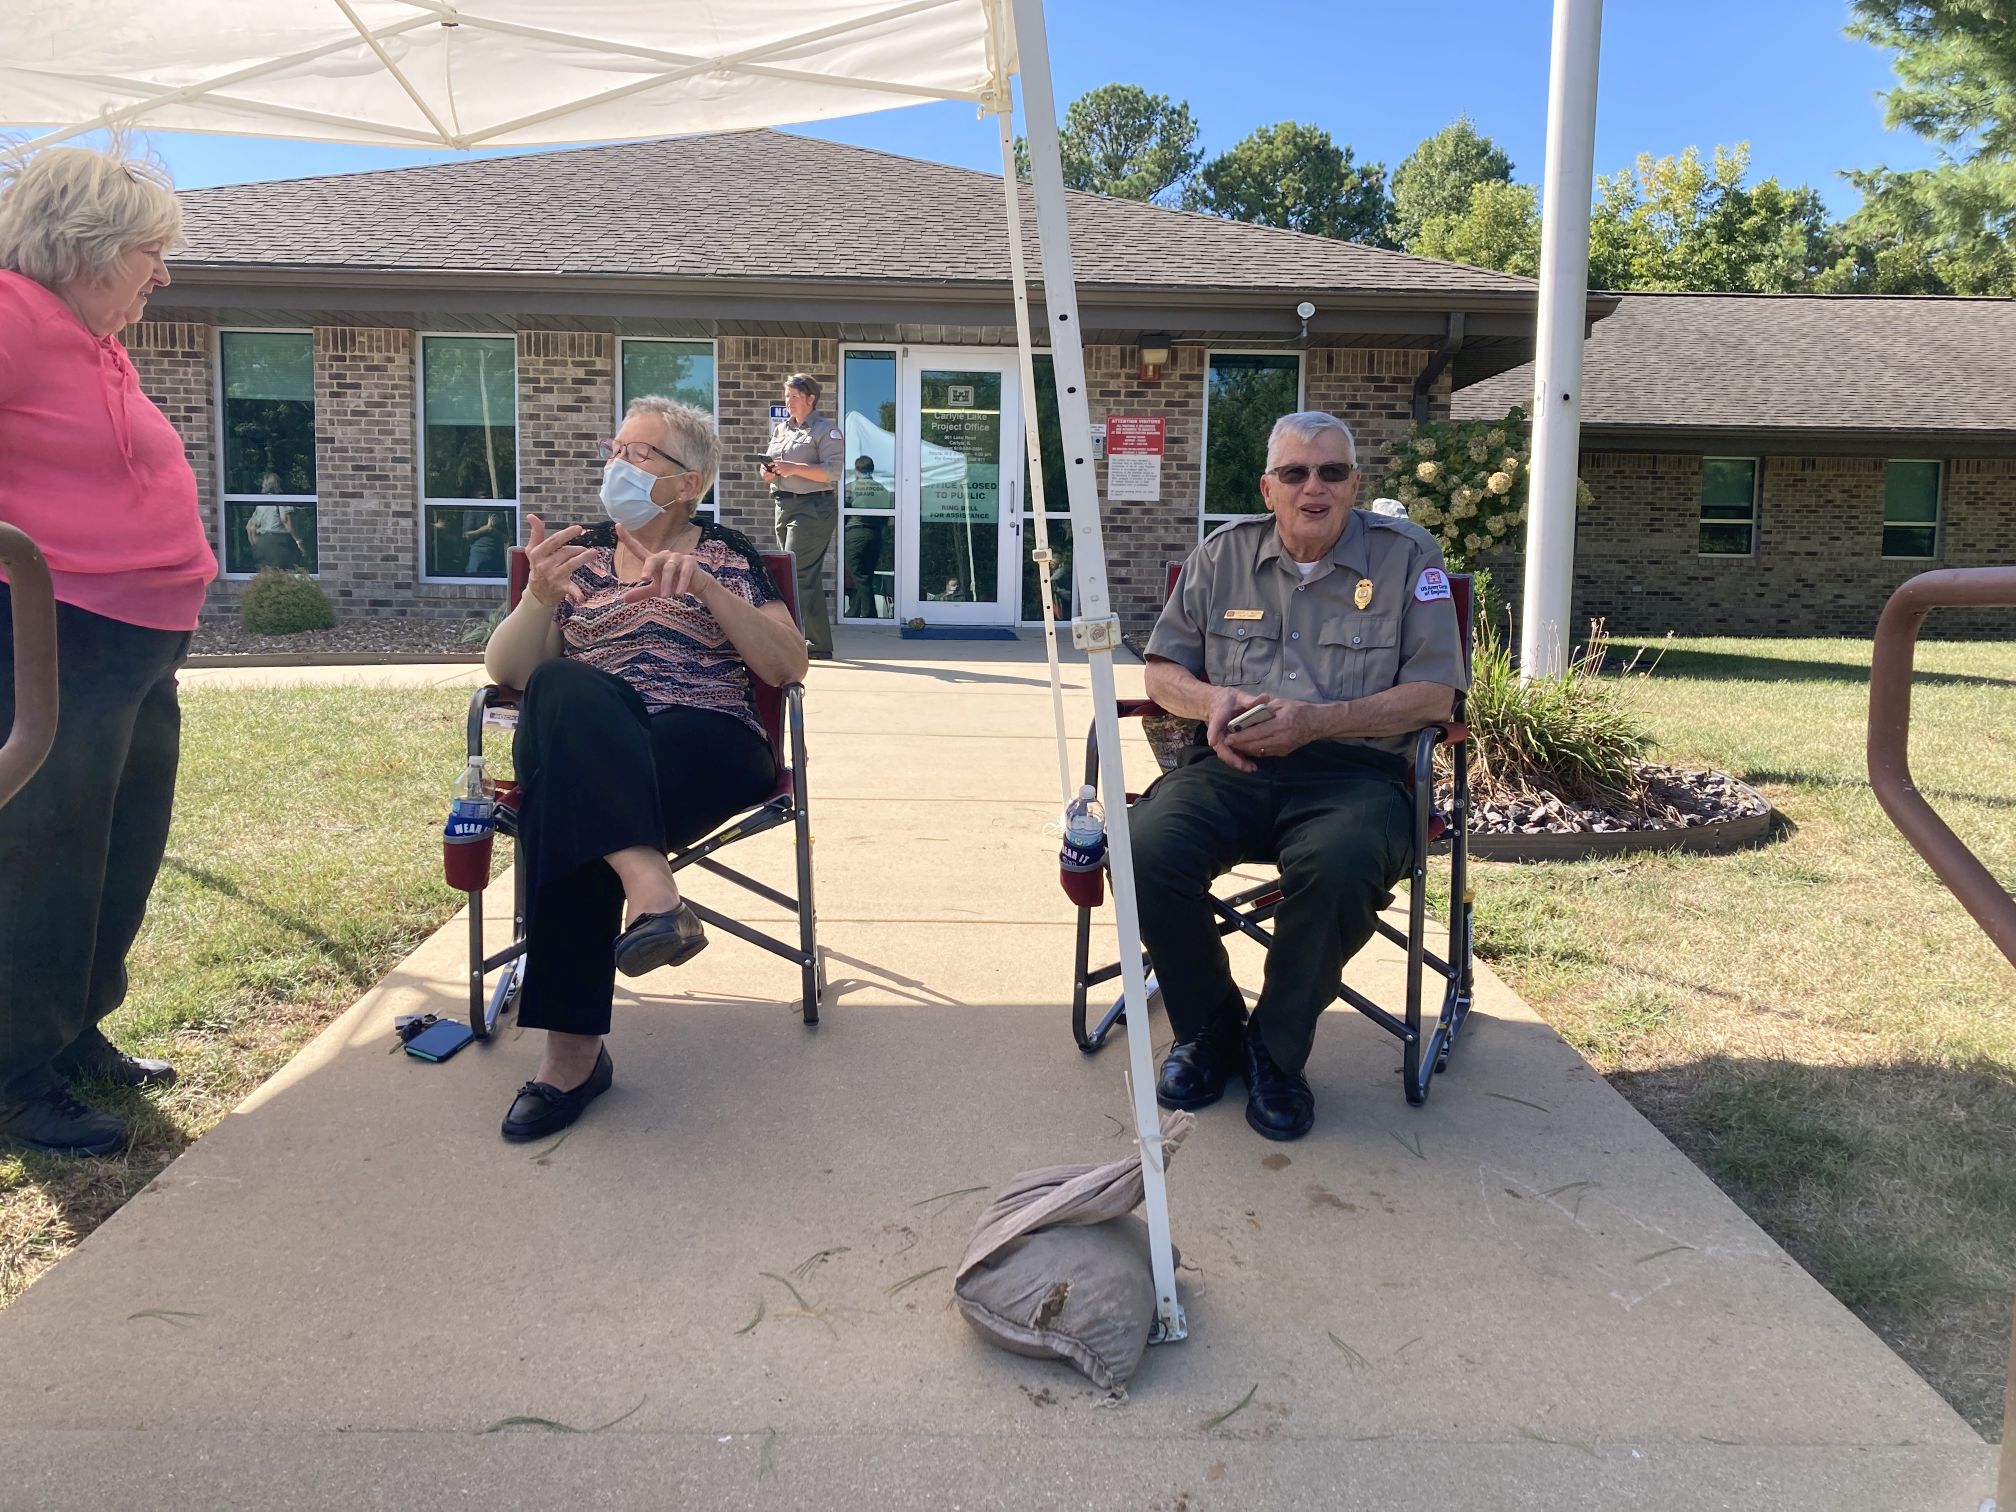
(1244, 617)
(817, 442)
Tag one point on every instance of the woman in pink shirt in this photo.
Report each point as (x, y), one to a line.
(92, 470)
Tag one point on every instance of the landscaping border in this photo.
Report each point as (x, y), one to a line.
(1579, 845)
(337, 659)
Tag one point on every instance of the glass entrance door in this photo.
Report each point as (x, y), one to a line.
(960, 488)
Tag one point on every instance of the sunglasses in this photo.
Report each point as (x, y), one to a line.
(1295, 474)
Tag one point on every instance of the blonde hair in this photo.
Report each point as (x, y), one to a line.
(71, 212)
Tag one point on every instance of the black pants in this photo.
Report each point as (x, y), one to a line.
(1338, 823)
(599, 775)
(82, 841)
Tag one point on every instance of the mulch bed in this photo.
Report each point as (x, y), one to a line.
(366, 636)
(1671, 798)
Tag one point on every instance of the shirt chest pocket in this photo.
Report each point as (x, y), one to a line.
(1241, 652)
(1360, 655)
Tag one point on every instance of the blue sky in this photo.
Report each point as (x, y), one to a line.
(1779, 74)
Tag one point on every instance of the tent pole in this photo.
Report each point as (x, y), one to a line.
(1040, 552)
(1095, 628)
(1557, 358)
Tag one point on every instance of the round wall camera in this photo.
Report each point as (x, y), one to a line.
(1305, 309)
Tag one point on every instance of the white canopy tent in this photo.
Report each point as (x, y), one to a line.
(496, 73)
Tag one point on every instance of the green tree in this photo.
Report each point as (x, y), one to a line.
(1498, 227)
(1679, 223)
(1295, 177)
(1123, 142)
(1947, 228)
(1434, 181)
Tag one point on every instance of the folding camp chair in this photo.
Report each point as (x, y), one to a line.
(775, 709)
(1248, 912)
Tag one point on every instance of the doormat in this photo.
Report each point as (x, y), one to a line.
(959, 632)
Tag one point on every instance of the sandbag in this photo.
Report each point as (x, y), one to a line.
(1081, 1293)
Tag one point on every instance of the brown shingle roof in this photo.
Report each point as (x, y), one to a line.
(734, 206)
(1788, 362)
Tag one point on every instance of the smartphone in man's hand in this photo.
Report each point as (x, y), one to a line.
(1259, 714)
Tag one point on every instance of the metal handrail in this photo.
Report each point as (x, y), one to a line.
(34, 612)
(1889, 739)
(1948, 856)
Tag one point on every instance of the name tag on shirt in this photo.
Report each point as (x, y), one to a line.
(1245, 614)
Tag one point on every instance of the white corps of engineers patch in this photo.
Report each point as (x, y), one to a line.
(1432, 585)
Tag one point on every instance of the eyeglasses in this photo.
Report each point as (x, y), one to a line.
(1295, 474)
(628, 450)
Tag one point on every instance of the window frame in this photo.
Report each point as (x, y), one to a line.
(1937, 523)
(1206, 522)
(898, 350)
(1755, 521)
(226, 499)
(426, 502)
(711, 511)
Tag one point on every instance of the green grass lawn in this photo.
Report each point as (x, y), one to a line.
(1816, 1022)
(304, 861)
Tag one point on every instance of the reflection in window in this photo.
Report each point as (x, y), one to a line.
(1728, 506)
(868, 530)
(1911, 510)
(1243, 396)
(682, 370)
(469, 446)
(268, 423)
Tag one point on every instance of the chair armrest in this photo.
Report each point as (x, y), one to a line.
(1135, 708)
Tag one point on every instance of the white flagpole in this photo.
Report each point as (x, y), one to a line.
(1557, 357)
(1095, 628)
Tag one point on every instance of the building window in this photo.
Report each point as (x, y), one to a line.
(1244, 394)
(469, 454)
(682, 370)
(1911, 510)
(868, 524)
(1728, 506)
(267, 411)
(1056, 505)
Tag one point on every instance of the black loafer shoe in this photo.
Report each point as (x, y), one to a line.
(1279, 1104)
(57, 1124)
(1195, 1072)
(660, 939)
(541, 1109)
(95, 1058)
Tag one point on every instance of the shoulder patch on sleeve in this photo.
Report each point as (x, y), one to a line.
(835, 436)
(1432, 585)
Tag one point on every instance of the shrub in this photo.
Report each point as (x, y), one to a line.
(1466, 482)
(1569, 735)
(284, 603)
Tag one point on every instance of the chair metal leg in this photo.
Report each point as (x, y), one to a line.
(811, 965)
(477, 1023)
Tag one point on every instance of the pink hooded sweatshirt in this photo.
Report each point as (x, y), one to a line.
(91, 469)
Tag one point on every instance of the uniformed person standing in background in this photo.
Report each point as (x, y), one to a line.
(1341, 623)
(803, 471)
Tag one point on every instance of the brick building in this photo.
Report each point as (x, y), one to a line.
(379, 375)
(1777, 464)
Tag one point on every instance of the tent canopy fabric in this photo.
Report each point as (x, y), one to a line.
(486, 73)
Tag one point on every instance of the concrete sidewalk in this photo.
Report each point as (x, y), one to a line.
(1517, 1296)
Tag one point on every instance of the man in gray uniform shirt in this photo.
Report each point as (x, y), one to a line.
(1341, 623)
(803, 472)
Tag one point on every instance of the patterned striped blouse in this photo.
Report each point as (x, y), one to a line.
(671, 650)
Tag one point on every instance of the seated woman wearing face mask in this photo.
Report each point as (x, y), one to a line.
(635, 643)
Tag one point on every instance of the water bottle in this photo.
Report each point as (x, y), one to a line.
(466, 838)
(1082, 862)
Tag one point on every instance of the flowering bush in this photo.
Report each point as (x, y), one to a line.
(1465, 480)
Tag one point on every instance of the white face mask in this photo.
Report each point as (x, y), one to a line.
(626, 494)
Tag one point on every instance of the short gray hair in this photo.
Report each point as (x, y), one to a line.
(1307, 425)
(689, 431)
(71, 213)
